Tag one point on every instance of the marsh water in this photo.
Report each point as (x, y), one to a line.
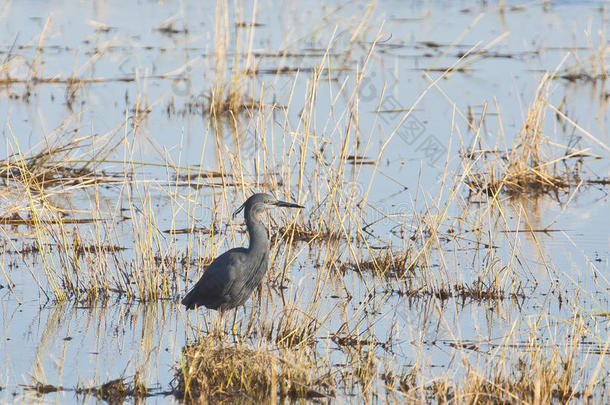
(134, 81)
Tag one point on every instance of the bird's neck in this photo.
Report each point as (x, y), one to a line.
(259, 241)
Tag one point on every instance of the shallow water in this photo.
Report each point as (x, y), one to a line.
(562, 273)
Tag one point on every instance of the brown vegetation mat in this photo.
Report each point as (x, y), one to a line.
(216, 372)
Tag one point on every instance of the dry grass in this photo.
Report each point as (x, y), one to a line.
(229, 97)
(212, 371)
(512, 373)
(527, 168)
(529, 378)
(294, 329)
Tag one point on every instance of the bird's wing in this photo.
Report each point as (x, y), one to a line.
(215, 284)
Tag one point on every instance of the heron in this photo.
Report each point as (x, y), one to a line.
(230, 279)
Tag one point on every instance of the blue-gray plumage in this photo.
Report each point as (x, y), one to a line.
(230, 279)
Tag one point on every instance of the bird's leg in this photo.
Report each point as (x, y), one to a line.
(234, 324)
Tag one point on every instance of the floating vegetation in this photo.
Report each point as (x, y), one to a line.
(388, 264)
(477, 291)
(15, 220)
(114, 391)
(169, 28)
(298, 233)
(182, 231)
(182, 260)
(359, 160)
(118, 390)
(83, 248)
(351, 341)
(583, 77)
(41, 388)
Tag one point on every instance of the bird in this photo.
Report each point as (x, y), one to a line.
(230, 279)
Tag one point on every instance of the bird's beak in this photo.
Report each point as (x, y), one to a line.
(240, 209)
(287, 204)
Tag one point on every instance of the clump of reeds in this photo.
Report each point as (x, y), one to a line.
(532, 380)
(527, 167)
(516, 372)
(229, 96)
(364, 368)
(212, 371)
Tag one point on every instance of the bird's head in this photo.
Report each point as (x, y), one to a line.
(260, 202)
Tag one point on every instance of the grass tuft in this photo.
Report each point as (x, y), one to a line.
(212, 371)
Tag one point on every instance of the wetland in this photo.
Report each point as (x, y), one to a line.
(452, 158)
